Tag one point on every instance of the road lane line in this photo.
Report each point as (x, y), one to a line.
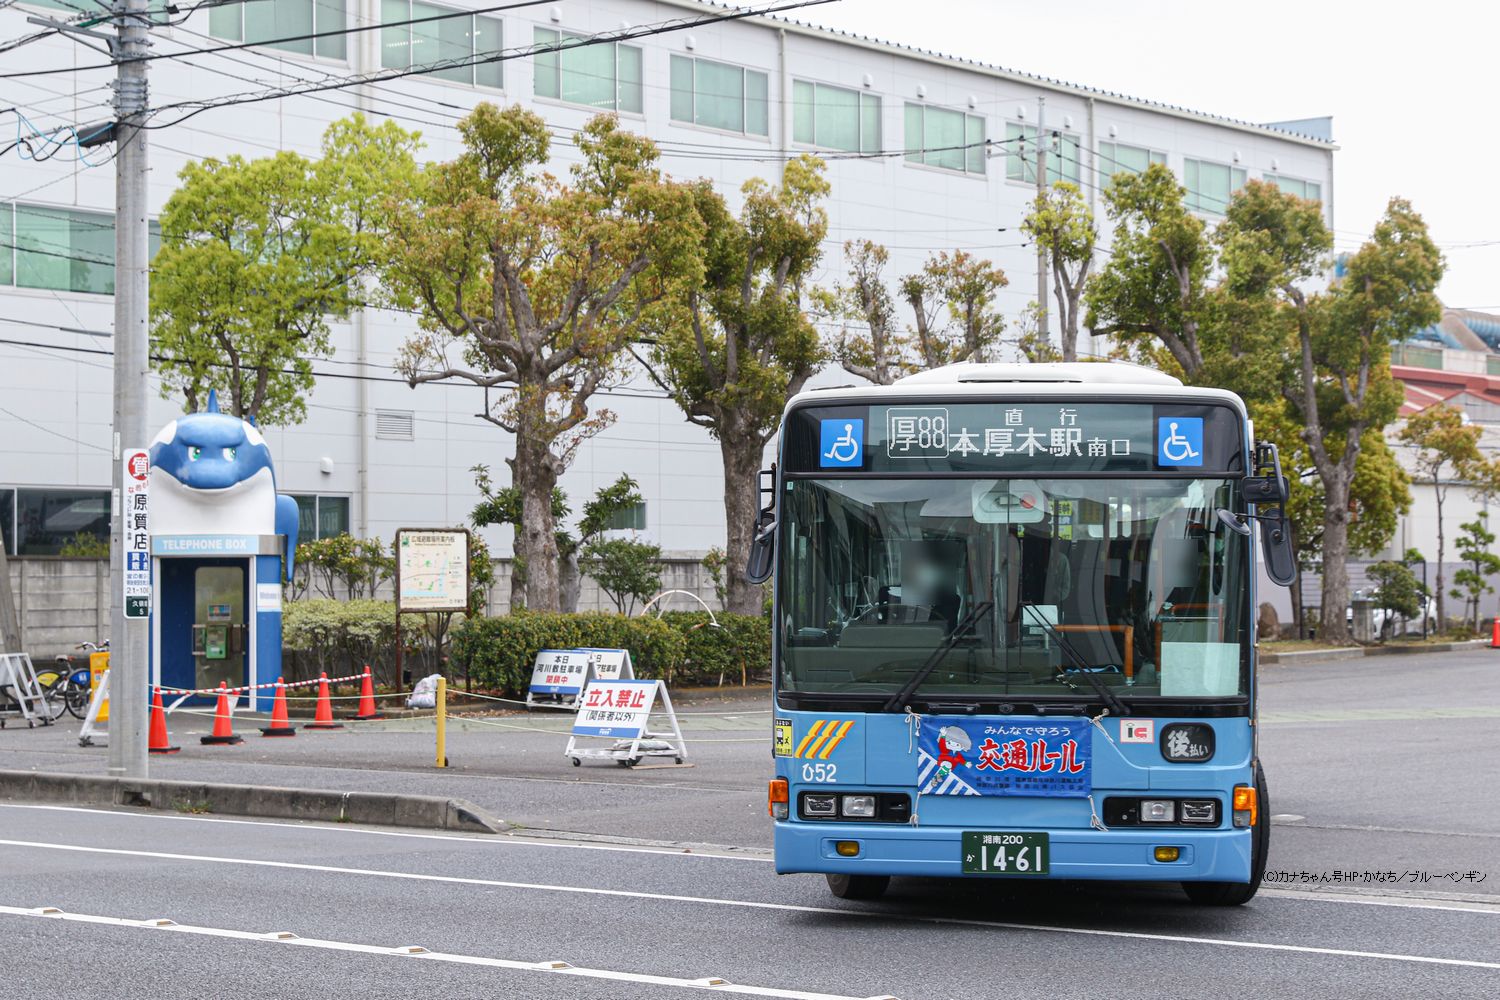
(416, 952)
(758, 905)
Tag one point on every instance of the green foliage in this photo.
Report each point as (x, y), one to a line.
(532, 288)
(953, 302)
(338, 637)
(85, 545)
(1473, 581)
(1061, 222)
(879, 352)
(625, 569)
(357, 565)
(713, 563)
(1397, 589)
(737, 651)
(498, 652)
(258, 255)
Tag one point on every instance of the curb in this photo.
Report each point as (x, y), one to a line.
(428, 812)
(1357, 652)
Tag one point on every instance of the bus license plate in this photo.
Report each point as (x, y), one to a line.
(1005, 853)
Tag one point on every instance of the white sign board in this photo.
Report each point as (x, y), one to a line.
(617, 709)
(559, 673)
(135, 531)
(432, 569)
(611, 664)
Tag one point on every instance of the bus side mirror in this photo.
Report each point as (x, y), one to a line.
(762, 548)
(1269, 491)
(1276, 547)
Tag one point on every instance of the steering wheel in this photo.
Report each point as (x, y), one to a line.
(893, 613)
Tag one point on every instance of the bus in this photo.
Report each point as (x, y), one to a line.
(1013, 629)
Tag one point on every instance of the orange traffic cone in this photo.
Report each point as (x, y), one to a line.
(158, 743)
(1495, 636)
(223, 734)
(323, 717)
(279, 724)
(367, 710)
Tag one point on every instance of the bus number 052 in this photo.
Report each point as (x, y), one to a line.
(820, 772)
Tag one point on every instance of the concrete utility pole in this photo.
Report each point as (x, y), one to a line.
(1041, 191)
(128, 667)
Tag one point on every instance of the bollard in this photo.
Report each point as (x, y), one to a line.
(1495, 635)
(442, 723)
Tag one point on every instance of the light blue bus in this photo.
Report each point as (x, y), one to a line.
(1013, 629)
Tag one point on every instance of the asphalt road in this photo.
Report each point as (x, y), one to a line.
(1375, 765)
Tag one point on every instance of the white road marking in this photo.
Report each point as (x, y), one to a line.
(758, 905)
(556, 968)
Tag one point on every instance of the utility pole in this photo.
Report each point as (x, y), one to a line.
(128, 668)
(1041, 192)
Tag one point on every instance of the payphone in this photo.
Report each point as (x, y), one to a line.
(219, 629)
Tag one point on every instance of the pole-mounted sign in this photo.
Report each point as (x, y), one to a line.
(135, 531)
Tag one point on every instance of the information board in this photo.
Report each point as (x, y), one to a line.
(559, 673)
(135, 531)
(432, 569)
(617, 709)
(610, 664)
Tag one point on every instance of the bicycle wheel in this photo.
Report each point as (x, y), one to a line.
(76, 697)
(53, 685)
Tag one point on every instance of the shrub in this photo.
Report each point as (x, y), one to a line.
(338, 637)
(498, 652)
(739, 649)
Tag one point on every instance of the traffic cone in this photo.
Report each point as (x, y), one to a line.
(1495, 635)
(367, 710)
(158, 743)
(323, 717)
(223, 734)
(279, 724)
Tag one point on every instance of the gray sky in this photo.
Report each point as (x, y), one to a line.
(1407, 85)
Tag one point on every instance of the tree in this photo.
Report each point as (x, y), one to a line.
(1154, 285)
(533, 288)
(626, 569)
(1397, 589)
(1341, 386)
(258, 255)
(1061, 223)
(880, 353)
(1445, 443)
(1473, 581)
(953, 303)
(358, 566)
(747, 345)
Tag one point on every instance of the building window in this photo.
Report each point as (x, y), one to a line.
(835, 117)
(321, 517)
(720, 96)
(938, 137)
(1118, 158)
(1311, 190)
(60, 249)
(275, 22)
(632, 518)
(40, 522)
(1064, 155)
(604, 75)
(1210, 185)
(452, 39)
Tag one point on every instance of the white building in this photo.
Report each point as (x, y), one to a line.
(923, 156)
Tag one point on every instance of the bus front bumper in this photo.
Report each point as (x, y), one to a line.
(1218, 855)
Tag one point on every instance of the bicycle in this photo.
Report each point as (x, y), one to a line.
(67, 688)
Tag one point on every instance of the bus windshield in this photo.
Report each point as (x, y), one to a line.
(1136, 581)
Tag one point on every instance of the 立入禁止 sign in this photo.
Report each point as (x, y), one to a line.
(615, 708)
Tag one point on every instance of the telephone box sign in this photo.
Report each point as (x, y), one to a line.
(615, 708)
(559, 672)
(135, 531)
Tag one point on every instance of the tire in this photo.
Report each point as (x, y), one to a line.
(1240, 893)
(858, 886)
(77, 700)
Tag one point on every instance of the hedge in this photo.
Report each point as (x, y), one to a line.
(337, 637)
(738, 650)
(498, 652)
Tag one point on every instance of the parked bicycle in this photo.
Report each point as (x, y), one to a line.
(66, 685)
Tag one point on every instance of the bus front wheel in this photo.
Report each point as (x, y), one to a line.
(1239, 893)
(858, 886)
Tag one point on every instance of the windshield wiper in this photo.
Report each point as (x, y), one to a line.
(965, 623)
(1111, 700)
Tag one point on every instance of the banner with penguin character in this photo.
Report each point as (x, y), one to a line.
(963, 756)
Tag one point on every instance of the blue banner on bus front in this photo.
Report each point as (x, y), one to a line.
(963, 756)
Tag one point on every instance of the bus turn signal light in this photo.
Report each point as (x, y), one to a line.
(777, 798)
(1167, 854)
(847, 848)
(1246, 807)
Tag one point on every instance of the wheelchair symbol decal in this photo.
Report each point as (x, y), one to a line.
(1179, 441)
(842, 444)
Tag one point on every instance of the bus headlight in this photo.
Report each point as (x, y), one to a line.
(1158, 811)
(1204, 812)
(859, 806)
(820, 806)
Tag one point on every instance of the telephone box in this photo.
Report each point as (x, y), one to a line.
(222, 541)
